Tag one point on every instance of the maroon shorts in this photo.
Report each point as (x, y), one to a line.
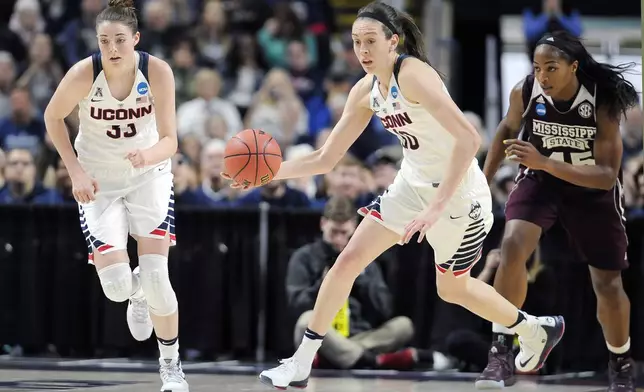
(593, 219)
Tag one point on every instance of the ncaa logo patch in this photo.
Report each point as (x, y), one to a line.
(394, 92)
(541, 109)
(585, 110)
(142, 88)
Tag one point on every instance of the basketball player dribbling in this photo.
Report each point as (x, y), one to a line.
(570, 151)
(440, 190)
(121, 177)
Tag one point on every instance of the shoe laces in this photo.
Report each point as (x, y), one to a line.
(288, 365)
(172, 372)
(497, 359)
(140, 311)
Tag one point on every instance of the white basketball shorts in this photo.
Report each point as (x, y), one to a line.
(142, 206)
(457, 237)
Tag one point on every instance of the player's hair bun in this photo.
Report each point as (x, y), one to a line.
(121, 3)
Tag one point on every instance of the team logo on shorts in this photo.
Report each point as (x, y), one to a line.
(394, 91)
(142, 88)
(541, 109)
(585, 110)
(475, 210)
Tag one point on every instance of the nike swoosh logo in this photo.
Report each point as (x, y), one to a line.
(455, 217)
(96, 100)
(526, 362)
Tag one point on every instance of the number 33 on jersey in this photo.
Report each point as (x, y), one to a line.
(111, 128)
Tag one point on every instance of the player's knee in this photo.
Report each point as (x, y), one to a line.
(157, 288)
(512, 251)
(348, 263)
(116, 280)
(608, 284)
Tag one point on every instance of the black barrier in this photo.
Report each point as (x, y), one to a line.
(50, 295)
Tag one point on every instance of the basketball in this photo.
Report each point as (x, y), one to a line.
(252, 157)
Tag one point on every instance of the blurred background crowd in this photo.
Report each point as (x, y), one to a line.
(283, 66)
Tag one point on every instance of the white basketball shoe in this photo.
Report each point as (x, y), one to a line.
(535, 350)
(291, 373)
(172, 376)
(138, 315)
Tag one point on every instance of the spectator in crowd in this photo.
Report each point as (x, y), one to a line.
(21, 185)
(78, 38)
(24, 128)
(192, 115)
(211, 35)
(186, 182)
(158, 34)
(7, 78)
(27, 21)
(213, 189)
(384, 164)
(63, 183)
(244, 16)
(184, 64)
(345, 180)
(549, 20)
(278, 110)
(365, 333)
(279, 31)
(43, 72)
(243, 71)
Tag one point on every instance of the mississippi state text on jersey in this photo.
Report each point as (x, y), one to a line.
(427, 145)
(563, 135)
(109, 128)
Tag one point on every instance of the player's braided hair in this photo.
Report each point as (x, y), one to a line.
(614, 92)
(401, 23)
(121, 11)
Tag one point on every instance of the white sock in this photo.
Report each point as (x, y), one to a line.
(308, 348)
(169, 349)
(620, 350)
(498, 328)
(526, 327)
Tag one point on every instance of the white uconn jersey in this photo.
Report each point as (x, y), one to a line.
(427, 146)
(110, 129)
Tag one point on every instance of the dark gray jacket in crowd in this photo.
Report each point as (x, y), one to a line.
(370, 302)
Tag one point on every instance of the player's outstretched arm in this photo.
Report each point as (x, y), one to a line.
(72, 89)
(420, 83)
(508, 128)
(354, 119)
(608, 151)
(162, 89)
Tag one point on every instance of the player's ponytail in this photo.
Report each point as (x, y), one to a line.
(121, 11)
(614, 92)
(401, 23)
(413, 41)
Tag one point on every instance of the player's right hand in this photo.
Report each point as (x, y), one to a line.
(84, 187)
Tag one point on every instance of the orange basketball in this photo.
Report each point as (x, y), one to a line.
(252, 157)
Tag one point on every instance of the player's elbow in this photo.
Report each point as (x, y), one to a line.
(52, 115)
(469, 142)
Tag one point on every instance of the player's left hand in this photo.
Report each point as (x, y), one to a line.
(422, 223)
(137, 158)
(525, 153)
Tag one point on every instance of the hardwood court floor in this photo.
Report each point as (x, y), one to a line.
(17, 380)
